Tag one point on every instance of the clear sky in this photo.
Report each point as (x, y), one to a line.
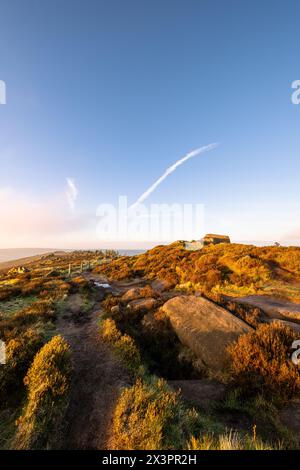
(111, 93)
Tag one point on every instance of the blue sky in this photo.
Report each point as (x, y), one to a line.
(111, 93)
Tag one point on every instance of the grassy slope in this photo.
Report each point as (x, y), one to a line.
(228, 269)
(32, 300)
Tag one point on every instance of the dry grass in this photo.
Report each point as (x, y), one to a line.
(20, 352)
(149, 416)
(47, 383)
(123, 345)
(231, 440)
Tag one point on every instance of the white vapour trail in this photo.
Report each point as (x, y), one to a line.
(71, 193)
(170, 170)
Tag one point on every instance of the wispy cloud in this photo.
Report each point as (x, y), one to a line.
(171, 169)
(28, 221)
(71, 193)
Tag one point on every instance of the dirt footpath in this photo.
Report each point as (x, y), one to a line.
(98, 378)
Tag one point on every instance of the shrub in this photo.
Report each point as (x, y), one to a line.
(34, 286)
(123, 345)
(41, 308)
(126, 348)
(20, 352)
(261, 361)
(110, 301)
(109, 331)
(151, 417)
(7, 293)
(162, 350)
(47, 384)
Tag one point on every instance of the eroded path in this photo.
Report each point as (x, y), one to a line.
(98, 378)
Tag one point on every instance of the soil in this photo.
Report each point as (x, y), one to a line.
(199, 392)
(98, 378)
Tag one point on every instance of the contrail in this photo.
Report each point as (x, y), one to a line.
(71, 193)
(170, 170)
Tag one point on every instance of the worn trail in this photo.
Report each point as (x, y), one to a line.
(98, 378)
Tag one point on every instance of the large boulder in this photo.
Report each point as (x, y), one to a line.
(205, 328)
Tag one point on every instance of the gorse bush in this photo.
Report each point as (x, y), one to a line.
(20, 352)
(47, 383)
(123, 345)
(109, 331)
(261, 362)
(149, 416)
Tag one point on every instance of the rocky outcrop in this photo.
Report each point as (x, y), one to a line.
(132, 294)
(141, 305)
(273, 307)
(205, 328)
(214, 239)
(138, 293)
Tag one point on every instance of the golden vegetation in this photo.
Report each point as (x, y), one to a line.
(31, 299)
(47, 383)
(261, 362)
(123, 345)
(148, 415)
(151, 335)
(20, 352)
(231, 440)
(232, 269)
(151, 417)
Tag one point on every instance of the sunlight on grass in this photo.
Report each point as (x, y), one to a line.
(10, 307)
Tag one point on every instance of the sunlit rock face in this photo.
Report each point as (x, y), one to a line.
(205, 328)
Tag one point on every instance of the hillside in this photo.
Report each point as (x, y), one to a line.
(230, 269)
(169, 349)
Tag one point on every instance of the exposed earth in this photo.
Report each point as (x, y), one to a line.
(97, 380)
